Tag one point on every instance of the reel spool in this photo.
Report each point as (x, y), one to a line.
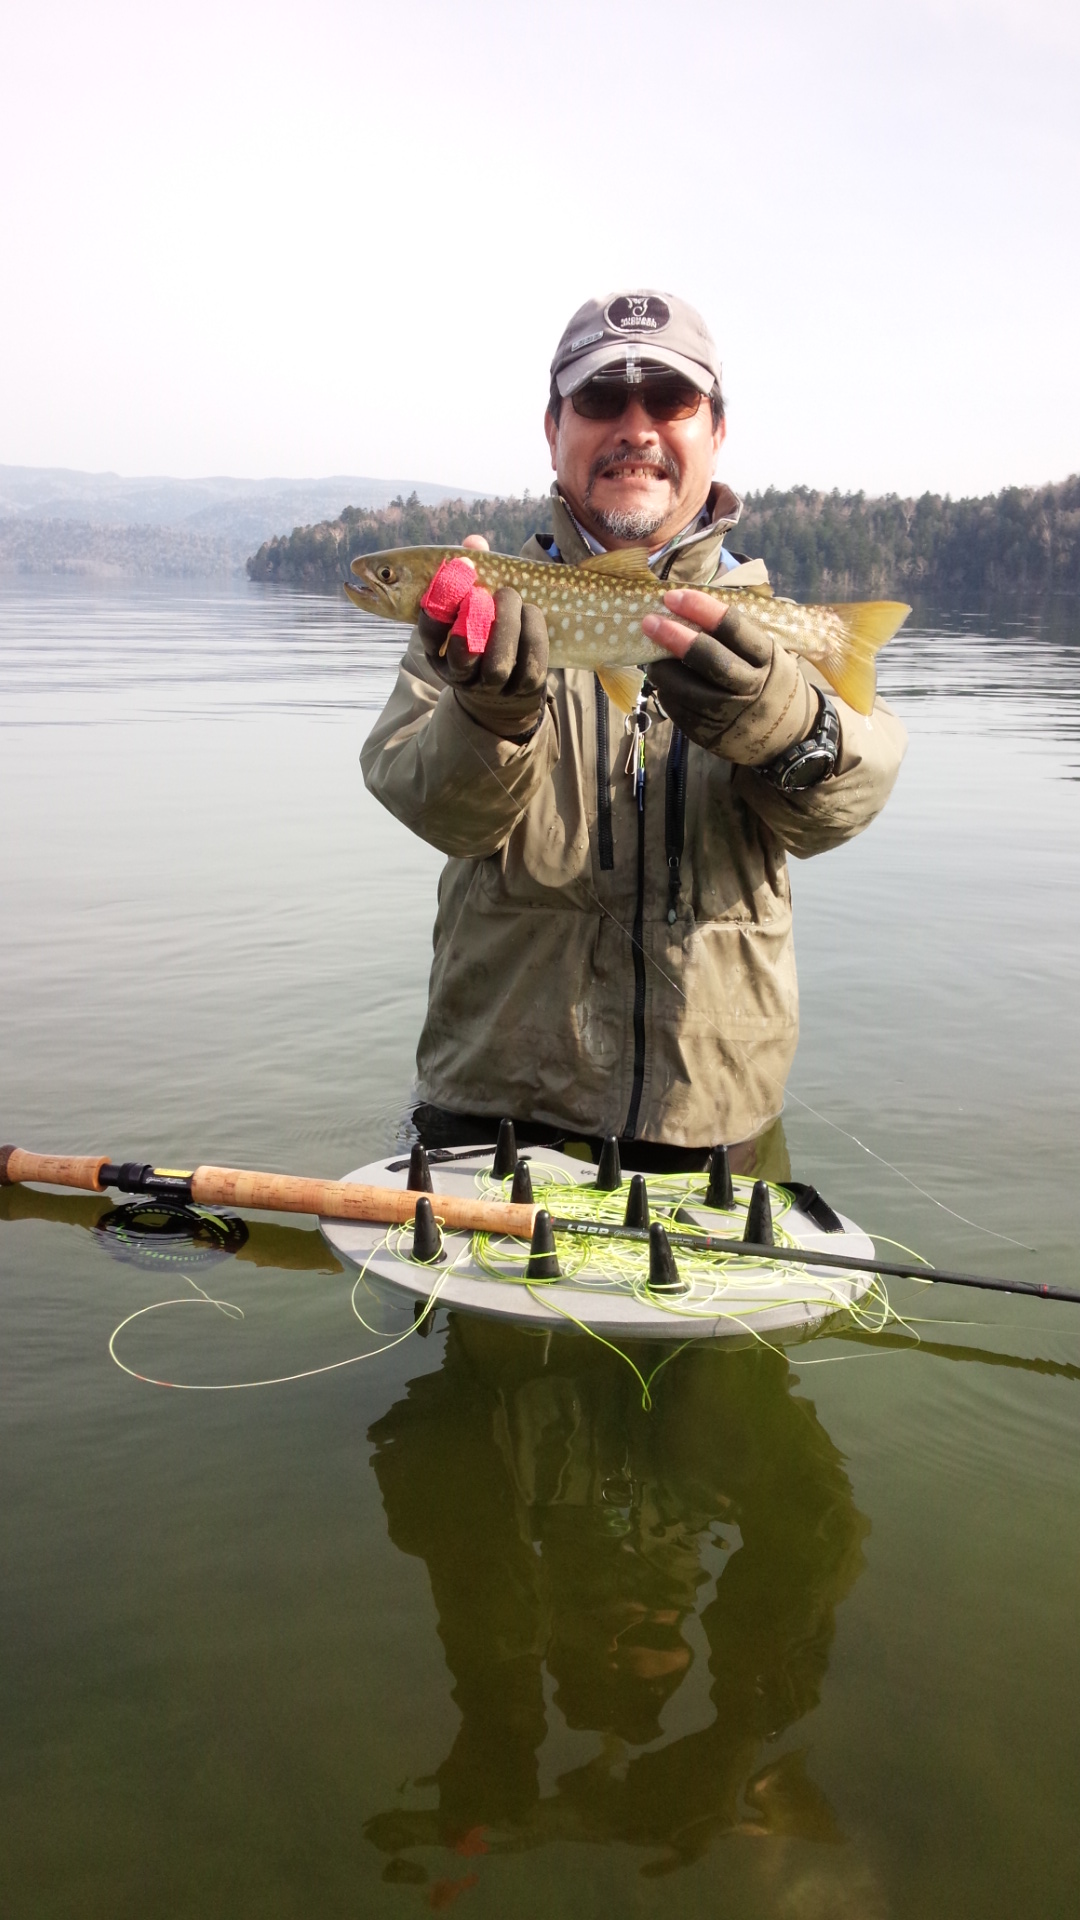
(163, 1233)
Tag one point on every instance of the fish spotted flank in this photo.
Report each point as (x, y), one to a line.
(594, 612)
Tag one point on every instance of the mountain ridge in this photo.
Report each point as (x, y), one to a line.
(66, 520)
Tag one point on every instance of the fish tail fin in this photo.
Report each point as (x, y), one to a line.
(865, 626)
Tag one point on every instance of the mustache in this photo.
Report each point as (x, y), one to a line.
(654, 457)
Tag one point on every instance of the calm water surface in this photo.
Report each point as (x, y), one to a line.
(461, 1624)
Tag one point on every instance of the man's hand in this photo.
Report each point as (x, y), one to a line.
(729, 687)
(503, 687)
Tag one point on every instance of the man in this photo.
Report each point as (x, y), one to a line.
(613, 949)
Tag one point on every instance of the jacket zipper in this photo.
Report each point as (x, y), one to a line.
(604, 833)
(674, 837)
(637, 1084)
(675, 820)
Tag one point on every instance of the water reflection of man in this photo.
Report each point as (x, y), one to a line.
(565, 1528)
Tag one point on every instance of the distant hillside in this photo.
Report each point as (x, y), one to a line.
(58, 520)
(71, 547)
(1022, 539)
(1025, 538)
(318, 556)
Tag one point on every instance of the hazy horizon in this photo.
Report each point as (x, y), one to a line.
(429, 491)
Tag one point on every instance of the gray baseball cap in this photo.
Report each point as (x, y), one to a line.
(631, 329)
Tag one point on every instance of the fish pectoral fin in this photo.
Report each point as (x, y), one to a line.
(848, 665)
(630, 563)
(622, 686)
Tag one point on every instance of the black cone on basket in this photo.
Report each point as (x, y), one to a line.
(425, 1240)
(637, 1202)
(420, 1180)
(609, 1170)
(506, 1153)
(521, 1192)
(721, 1193)
(759, 1227)
(663, 1273)
(543, 1261)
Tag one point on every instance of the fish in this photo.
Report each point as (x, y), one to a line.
(594, 612)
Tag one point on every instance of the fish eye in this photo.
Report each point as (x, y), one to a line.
(387, 575)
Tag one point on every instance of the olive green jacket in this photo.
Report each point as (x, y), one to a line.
(589, 971)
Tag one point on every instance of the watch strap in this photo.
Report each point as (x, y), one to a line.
(810, 761)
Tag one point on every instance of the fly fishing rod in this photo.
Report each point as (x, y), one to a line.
(212, 1186)
(761, 1250)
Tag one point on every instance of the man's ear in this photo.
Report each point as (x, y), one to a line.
(551, 429)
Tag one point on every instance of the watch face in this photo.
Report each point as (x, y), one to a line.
(813, 765)
(809, 761)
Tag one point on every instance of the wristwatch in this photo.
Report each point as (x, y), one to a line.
(809, 761)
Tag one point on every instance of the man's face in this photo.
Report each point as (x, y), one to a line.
(634, 481)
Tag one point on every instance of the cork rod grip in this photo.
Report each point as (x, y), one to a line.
(342, 1200)
(282, 1193)
(51, 1169)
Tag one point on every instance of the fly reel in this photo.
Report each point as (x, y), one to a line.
(164, 1233)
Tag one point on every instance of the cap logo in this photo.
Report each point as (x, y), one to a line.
(637, 313)
(585, 340)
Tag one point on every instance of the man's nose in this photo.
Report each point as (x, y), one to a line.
(636, 424)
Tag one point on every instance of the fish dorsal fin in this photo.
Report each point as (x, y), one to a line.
(622, 686)
(751, 591)
(748, 573)
(630, 563)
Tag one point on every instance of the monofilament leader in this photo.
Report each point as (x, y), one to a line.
(613, 943)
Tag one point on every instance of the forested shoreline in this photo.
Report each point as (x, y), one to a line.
(1023, 539)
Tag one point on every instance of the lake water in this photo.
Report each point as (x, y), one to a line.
(461, 1624)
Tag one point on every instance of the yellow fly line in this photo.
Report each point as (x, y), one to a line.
(712, 1282)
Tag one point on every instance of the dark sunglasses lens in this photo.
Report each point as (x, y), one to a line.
(670, 397)
(665, 396)
(601, 399)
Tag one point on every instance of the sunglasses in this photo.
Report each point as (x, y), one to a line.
(664, 395)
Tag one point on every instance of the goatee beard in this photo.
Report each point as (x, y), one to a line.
(636, 523)
(628, 526)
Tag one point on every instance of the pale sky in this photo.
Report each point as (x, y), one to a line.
(340, 238)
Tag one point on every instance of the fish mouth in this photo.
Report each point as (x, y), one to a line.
(381, 586)
(371, 596)
(362, 596)
(365, 590)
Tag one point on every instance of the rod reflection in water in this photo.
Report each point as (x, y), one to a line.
(564, 1528)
